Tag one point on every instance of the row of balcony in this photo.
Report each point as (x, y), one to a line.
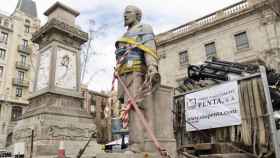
(6, 23)
(3, 44)
(20, 82)
(24, 49)
(22, 65)
(21, 48)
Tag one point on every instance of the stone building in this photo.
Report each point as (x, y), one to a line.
(245, 32)
(115, 104)
(17, 60)
(97, 104)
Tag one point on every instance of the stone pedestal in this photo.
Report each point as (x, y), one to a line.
(158, 109)
(159, 116)
(55, 118)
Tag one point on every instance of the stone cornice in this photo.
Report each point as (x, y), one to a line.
(206, 22)
(60, 5)
(55, 24)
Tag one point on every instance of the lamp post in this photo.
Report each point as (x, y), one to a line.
(31, 143)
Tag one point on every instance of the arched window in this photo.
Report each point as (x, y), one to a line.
(9, 140)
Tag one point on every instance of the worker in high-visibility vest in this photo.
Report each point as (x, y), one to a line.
(137, 66)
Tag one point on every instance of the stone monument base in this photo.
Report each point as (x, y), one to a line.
(55, 120)
(48, 150)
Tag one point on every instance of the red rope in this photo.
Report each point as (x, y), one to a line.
(132, 104)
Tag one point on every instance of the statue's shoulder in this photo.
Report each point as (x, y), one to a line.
(146, 28)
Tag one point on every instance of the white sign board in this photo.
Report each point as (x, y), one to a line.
(19, 148)
(214, 107)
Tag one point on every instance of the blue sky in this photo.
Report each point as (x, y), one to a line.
(107, 14)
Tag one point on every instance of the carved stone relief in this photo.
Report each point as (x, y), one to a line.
(23, 133)
(69, 132)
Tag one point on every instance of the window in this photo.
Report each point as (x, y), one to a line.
(6, 23)
(27, 22)
(16, 113)
(23, 59)
(20, 75)
(183, 56)
(2, 54)
(93, 104)
(241, 40)
(93, 100)
(24, 43)
(1, 71)
(210, 49)
(18, 92)
(26, 28)
(162, 56)
(92, 108)
(4, 37)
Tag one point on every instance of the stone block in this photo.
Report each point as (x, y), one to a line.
(230, 155)
(123, 155)
(55, 122)
(159, 115)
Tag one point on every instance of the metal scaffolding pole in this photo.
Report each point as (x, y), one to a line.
(270, 113)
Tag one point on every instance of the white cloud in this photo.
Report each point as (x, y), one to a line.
(162, 15)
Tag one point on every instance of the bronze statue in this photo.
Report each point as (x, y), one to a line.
(137, 66)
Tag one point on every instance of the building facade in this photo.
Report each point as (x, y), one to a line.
(17, 60)
(245, 32)
(98, 105)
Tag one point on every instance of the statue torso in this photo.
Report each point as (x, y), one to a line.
(135, 60)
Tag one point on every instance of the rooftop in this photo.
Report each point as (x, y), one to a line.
(28, 7)
(208, 20)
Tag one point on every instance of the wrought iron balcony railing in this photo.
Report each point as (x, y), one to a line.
(19, 82)
(3, 44)
(22, 65)
(24, 49)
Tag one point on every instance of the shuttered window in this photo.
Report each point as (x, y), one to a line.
(241, 40)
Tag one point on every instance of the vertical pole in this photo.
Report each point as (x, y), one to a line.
(31, 149)
(270, 113)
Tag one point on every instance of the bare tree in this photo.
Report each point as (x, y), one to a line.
(88, 50)
(85, 54)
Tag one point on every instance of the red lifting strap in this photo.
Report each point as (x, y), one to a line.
(163, 152)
